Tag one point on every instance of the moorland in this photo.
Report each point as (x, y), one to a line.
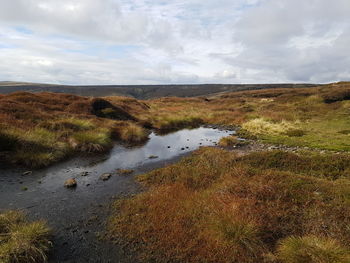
(288, 203)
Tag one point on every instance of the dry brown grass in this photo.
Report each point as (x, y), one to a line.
(297, 117)
(43, 128)
(215, 207)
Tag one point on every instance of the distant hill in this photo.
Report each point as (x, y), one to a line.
(141, 91)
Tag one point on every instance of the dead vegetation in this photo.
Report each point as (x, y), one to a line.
(216, 207)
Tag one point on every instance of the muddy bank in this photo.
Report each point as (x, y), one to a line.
(77, 215)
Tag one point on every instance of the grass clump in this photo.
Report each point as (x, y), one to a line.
(231, 141)
(217, 207)
(92, 141)
(312, 249)
(174, 123)
(22, 241)
(131, 133)
(261, 126)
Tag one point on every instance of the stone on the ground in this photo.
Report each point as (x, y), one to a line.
(153, 157)
(105, 177)
(84, 173)
(27, 173)
(70, 183)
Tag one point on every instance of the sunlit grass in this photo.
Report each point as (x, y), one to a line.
(216, 207)
(312, 249)
(22, 241)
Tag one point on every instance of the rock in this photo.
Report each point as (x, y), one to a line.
(182, 149)
(168, 147)
(153, 157)
(27, 173)
(84, 173)
(105, 177)
(70, 183)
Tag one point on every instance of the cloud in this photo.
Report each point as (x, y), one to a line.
(180, 41)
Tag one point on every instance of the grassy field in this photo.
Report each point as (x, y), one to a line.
(217, 207)
(22, 241)
(213, 206)
(40, 129)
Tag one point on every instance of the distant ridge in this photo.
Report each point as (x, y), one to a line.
(140, 91)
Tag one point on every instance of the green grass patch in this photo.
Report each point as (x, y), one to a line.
(321, 134)
(131, 133)
(93, 141)
(22, 241)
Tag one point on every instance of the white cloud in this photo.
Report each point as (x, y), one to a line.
(180, 41)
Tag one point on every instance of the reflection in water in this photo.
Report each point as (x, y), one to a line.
(158, 148)
(179, 142)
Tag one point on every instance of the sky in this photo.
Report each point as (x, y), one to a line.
(86, 42)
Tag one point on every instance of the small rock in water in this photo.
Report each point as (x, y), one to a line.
(153, 157)
(27, 173)
(187, 147)
(182, 149)
(24, 188)
(84, 173)
(168, 147)
(70, 183)
(105, 177)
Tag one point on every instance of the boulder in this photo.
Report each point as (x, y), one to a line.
(70, 183)
(105, 177)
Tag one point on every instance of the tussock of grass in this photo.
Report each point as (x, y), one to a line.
(22, 241)
(93, 141)
(312, 249)
(131, 133)
(231, 141)
(169, 123)
(261, 126)
(216, 207)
